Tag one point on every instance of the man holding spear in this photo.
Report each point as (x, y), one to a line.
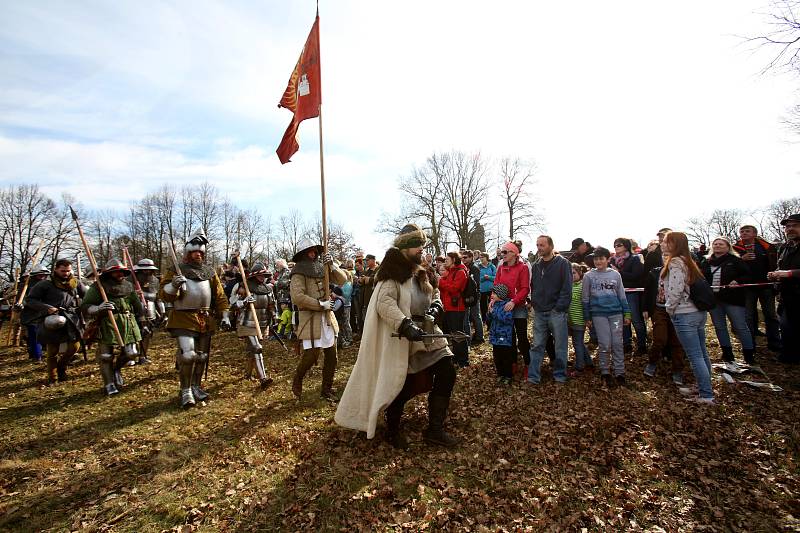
(198, 303)
(119, 327)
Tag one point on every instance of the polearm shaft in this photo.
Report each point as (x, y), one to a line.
(97, 282)
(11, 320)
(25, 287)
(251, 305)
(136, 283)
(175, 263)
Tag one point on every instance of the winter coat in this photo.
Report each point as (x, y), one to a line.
(676, 289)
(47, 294)
(732, 268)
(382, 364)
(518, 280)
(789, 288)
(632, 271)
(501, 328)
(306, 292)
(487, 284)
(451, 286)
(766, 259)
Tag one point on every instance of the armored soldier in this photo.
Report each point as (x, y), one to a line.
(145, 271)
(29, 318)
(317, 327)
(56, 302)
(127, 310)
(262, 298)
(198, 302)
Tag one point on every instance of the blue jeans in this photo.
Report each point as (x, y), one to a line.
(582, 357)
(765, 295)
(34, 348)
(736, 314)
(637, 321)
(472, 317)
(691, 330)
(545, 322)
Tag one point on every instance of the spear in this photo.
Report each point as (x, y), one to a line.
(136, 283)
(97, 282)
(252, 306)
(11, 320)
(25, 285)
(174, 257)
(80, 300)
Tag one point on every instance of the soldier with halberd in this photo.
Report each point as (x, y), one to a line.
(390, 371)
(263, 299)
(56, 301)
(127, 310)
(317, 327)
(198, 303)
(145, 271)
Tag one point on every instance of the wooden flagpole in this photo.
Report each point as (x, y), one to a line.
(322, 171)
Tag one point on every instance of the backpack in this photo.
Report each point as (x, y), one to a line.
(470, 292)
(701, 295)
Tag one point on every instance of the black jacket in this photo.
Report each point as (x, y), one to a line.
(732, 269)
(45, 295)
(789, 259)
(632, 272)
(650, 283)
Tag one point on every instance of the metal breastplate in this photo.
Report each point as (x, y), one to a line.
(262, 305)
(195, 295)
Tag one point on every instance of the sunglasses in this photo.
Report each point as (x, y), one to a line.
(503, 252)
(620, 245)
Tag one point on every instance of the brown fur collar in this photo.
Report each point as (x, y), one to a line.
(396, 267)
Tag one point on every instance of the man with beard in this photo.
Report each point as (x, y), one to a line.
(29, 318)
(788, 274)
(317, 327)
(56, 301)
(127, 310)
(262, 298)
(145, 271)
(198, 301)
(390, 371)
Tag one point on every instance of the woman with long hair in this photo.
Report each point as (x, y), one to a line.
(451, 285)
(679, 273)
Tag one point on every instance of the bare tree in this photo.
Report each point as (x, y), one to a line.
(775, 212)
(292, 231)
(464, 187)
(719, 223)
(24, 218)
(517, 182)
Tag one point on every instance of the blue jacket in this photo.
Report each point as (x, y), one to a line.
(501, 328)
(551, 285)
(487, 284)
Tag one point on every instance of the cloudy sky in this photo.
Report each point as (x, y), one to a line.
(638, 115)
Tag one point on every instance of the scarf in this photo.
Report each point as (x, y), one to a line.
(619, 259)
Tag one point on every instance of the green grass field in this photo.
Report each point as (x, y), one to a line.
(545, 458)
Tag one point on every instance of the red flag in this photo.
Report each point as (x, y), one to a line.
(303, 95)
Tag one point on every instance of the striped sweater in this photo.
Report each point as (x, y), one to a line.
(576, 306)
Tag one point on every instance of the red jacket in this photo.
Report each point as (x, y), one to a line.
(518, 280)
(451, 285)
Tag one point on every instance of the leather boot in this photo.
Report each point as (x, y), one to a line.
(393, 415)
(727, 353)
(308, 359)
(197, 377)
(437, 412)
(328, 371)
(52, 367)
(749, 356)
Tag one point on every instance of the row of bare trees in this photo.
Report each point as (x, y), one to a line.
(726, 222)
(149, 225)
(450, 197)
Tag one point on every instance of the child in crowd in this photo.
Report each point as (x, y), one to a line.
(501, 333)
(605, 307)
(577, 326)
(285, 324)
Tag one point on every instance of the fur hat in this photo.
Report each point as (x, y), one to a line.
(411, 236)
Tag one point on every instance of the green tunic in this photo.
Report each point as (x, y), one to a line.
(128, 307)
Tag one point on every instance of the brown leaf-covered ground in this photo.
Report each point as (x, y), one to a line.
(552, 457)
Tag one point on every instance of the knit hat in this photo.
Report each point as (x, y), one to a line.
(511, 247)
(411, 236)
(501, 291)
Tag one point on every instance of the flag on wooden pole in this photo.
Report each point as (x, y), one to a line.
(303, 95)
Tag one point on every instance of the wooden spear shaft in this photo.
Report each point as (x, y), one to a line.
(26, 284)
(11, 320)
(251, 306)
(97, 282)
(136, 283)
(324, 211)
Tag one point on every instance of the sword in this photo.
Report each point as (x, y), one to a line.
(456, 336)
(277, 338)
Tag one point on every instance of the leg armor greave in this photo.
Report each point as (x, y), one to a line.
(197, 377)
(185, 362)
(105, 358)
